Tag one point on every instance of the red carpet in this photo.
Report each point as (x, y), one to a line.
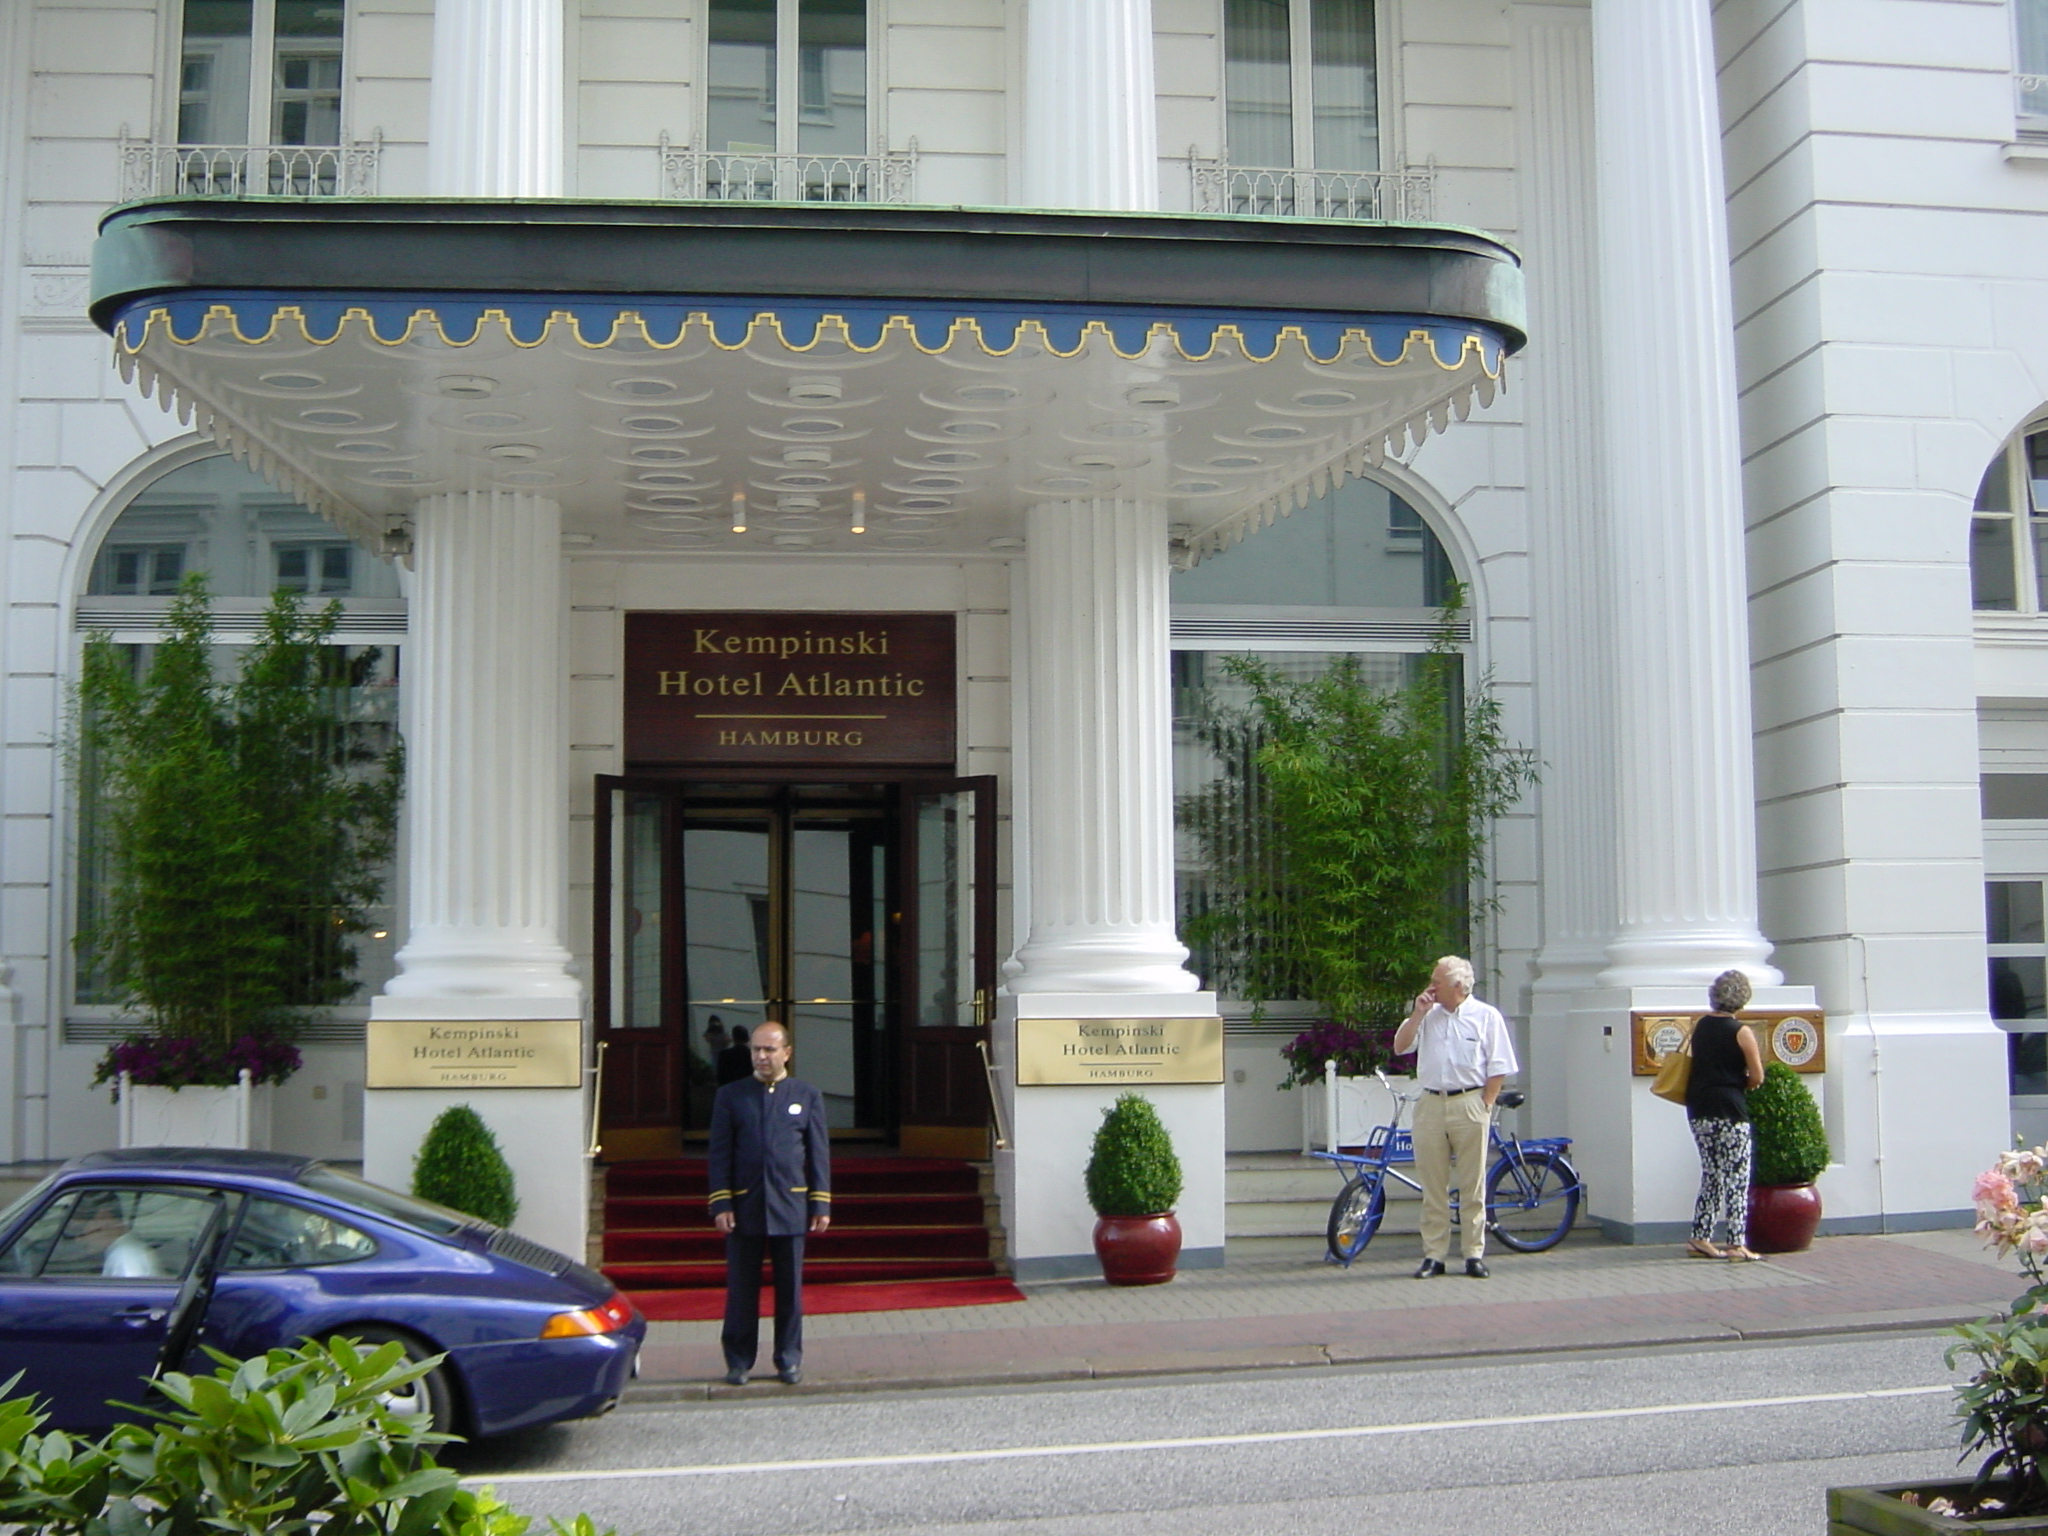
(701, 1306)
(906, 1232)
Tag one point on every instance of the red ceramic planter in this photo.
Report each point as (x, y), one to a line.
(1137, 1250)
(1783, 1217)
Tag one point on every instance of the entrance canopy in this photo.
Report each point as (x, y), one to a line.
(802, 377)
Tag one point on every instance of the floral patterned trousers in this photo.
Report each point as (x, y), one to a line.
(1724, 1179)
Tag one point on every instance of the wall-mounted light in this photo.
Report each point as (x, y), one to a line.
(860, 512)
(739, 511)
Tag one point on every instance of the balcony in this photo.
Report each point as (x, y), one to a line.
(1405, 196)
(149, 169)
(701, 175)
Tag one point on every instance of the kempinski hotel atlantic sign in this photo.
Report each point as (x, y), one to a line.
(790, 688)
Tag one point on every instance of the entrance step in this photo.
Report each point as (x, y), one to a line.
(893, 1218)
(1277, 1204)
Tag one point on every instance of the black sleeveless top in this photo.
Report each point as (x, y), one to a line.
(1718, 1087)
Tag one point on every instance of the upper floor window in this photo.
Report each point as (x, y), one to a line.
(1300, 84)
(2030, 65)
(260, 72)
(2009, 529)
(769, 56)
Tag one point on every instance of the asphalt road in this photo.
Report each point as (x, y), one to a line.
(1699, 1442)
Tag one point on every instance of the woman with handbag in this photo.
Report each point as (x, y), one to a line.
(1725, 1065)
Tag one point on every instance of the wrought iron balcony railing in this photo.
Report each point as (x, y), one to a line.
(149, 169)
(1220, 187)
(2030, 103)
(890, 177)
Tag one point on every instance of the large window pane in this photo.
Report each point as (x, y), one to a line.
(306, 79)
(213, 74)
(1347, 129)
(740, 117)
(2012, 912)
(2030, 24)
(2018, 988)
(2027, 1063)
(1258, 83)
(1994, 586)
(832, 77)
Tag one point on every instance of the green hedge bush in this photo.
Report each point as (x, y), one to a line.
(298, 1442)
(1132, 1170)
(459, 1166)
(1791, 1143)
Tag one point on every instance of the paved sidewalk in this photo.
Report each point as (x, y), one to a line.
(1296, 1311)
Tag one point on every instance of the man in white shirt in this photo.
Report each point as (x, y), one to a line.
(1463, 1053)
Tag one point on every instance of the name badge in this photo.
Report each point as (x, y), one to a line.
(796, 1109)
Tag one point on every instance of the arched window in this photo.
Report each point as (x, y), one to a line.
(1357, 572)
(212, 514)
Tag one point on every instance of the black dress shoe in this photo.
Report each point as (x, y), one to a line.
(1430, 1269)
(735, 1377)
(1476, 1268)
(789, 1376)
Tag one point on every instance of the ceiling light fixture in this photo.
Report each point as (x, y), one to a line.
(860, 513)
(1160, 395)
(739, 511)
(822, 389)
(518, 452)
(814, 458)
(466, 386)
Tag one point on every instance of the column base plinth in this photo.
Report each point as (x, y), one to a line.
(1692, 958)
(1116, 961)
(460, 964)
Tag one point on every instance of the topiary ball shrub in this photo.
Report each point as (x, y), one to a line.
(459, 1166)
(1133, 1170)
(1791, 1143)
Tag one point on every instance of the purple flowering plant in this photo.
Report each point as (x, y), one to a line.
(1358, 1052)
(181, 1061)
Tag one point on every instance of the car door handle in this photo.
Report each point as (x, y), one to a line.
(135, 1317)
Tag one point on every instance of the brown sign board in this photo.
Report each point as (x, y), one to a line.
(794, 689)
(1796, 1037)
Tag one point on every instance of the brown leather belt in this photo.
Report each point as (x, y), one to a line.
(1452, 1093)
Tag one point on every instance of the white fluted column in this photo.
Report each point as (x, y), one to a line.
(494, 107)
(486, 803)
(1685, 822)
(1091, 135)
(486, 842)
(1101, 767)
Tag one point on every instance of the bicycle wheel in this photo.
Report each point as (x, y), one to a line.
(1532, 1200)
(1354, 1216)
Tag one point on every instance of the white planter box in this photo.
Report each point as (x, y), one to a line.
(1342, 1111)
(196, 1117)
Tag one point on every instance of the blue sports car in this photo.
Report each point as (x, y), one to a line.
(123, 1264)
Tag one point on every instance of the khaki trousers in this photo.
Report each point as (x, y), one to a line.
(1447, 1129)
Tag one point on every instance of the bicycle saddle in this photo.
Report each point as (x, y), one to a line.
(1513, 1099)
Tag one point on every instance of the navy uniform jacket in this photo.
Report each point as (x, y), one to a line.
(771, 1157)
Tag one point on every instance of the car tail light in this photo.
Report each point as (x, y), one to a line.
(609, 1318)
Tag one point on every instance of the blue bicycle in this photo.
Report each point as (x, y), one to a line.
(1532, 1190)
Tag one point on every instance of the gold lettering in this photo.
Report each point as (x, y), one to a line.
(791, 683)
(760, 645)
(915, 687)
(672, 682)
(728, 738)
(707, 640)
(854, 738)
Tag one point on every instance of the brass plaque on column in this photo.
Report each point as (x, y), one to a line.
(1797, 1037)
(1056, 1051)
(475, 1053)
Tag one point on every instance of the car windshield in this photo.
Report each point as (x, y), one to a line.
(423, 1214)
(7, 1217)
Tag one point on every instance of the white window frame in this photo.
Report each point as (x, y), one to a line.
(789, 80)
(262, 46)
(2029, 567)
(1301, 72)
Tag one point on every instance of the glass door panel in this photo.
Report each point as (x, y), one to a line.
(948, 964)
(837, 952)
(646, 1070)
(728, 950)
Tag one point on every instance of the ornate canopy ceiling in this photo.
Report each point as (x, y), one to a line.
(1021, 358)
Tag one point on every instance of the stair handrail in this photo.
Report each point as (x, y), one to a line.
(995, 1097)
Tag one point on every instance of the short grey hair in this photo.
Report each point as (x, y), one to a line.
(1729, 992)
(1460, 971)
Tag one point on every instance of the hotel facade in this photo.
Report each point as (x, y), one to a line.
(791, 469)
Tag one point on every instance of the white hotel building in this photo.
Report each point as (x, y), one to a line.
(1069, 343)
